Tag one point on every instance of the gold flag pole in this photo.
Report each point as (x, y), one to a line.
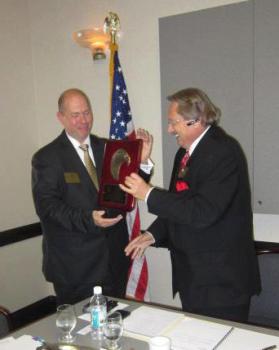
(112, 26)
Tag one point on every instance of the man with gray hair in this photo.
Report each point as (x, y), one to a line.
(205, 218)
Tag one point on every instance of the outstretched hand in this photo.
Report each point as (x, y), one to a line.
(137, 246)
(99, 220)
(136, 186)
(147, 144)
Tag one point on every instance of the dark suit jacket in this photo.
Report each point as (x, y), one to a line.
(75, 250)
(208, 228)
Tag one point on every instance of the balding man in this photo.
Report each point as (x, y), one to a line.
(82, 247)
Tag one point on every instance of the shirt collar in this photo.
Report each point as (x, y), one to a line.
(76, 143)
(197, 140)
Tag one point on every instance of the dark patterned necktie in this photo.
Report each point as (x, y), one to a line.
(90, 166)
(182, 185)
(183, 164)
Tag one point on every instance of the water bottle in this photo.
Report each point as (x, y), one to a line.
(98, 312)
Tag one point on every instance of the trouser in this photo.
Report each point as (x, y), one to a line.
(71, 294)
(238, 313)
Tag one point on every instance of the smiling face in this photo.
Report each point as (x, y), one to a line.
(76, 116)
(187, 130)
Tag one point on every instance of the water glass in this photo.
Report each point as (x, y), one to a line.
(66, 321)
(112, 330)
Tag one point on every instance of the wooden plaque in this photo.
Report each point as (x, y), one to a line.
(121, 158)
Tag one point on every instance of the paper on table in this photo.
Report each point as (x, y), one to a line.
(186, 333)
(192, 334)
(25, 342)
(6, 342)
(243, 339)
(150, 322)
(85, 330)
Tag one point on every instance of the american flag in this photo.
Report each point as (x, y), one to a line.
(122, 127)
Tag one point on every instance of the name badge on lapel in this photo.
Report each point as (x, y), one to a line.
(72, 178)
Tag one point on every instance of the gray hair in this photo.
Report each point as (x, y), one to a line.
(193, 103)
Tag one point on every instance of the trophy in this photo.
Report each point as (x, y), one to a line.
(122, 157)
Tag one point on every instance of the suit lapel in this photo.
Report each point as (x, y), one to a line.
(197, 156)
(202, 149)
(98, 152)
(175, 170)
(73, 163)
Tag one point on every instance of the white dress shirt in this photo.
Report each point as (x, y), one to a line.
(191, 150)
(80, 152)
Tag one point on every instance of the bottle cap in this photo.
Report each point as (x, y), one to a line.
(97, 290)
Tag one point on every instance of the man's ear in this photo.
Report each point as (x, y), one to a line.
(60, 117)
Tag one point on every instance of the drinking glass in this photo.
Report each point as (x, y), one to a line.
(66, 321)
(112, 330)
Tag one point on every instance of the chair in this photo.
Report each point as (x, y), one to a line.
(5, 321)
(33, 312)
(264, 309)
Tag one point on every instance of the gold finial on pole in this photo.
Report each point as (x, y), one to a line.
(112, 26)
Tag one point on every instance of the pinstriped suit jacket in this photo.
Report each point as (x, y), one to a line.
(75, 250)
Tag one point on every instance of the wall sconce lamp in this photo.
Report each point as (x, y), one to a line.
(97, 39)
(94, 39)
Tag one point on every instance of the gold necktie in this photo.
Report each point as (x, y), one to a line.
(90, 166)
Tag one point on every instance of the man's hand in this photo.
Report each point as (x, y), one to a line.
(136, 186)
(147, 144)
(99, 220)
(138, 245)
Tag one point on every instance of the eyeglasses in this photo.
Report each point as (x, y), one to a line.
(188, 122)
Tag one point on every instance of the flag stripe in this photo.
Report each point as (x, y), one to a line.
(142, 282)
(122, 127)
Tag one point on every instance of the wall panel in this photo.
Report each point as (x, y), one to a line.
(212, 50)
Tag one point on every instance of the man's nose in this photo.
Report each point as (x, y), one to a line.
(170, 129)
(83, 118)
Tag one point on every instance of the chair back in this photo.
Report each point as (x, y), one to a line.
(264, 309)
(5, 322)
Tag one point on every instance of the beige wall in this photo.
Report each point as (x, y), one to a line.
(40, 60)
(18, 132)
(22, 282)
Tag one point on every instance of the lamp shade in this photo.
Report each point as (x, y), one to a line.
(94, 39)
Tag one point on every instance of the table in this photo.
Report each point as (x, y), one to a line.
(240, 339)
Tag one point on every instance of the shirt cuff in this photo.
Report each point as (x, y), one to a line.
(147, 167)
(151, 235)
(147, 194)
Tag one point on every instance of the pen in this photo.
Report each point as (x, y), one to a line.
(271, 347)
(223, 338)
